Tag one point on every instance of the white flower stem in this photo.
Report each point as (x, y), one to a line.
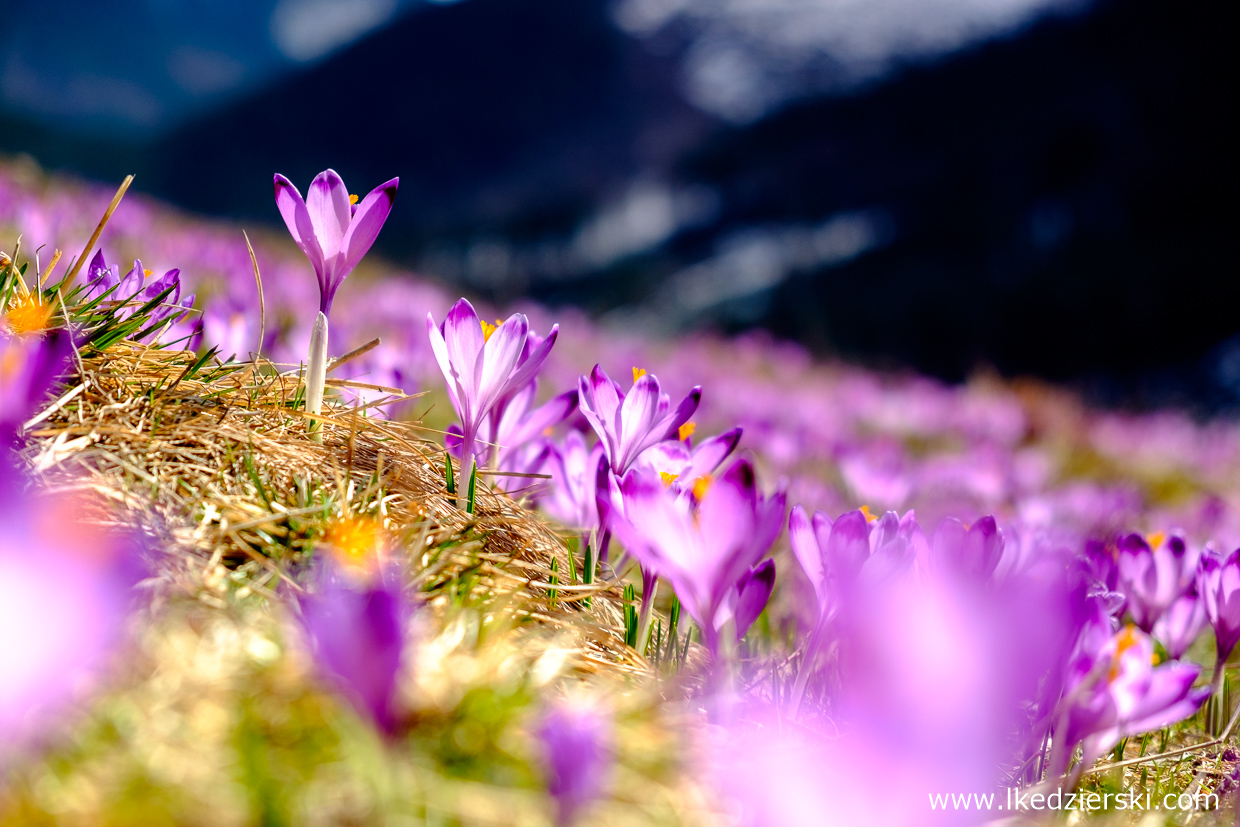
(647, 613)
(316, 374)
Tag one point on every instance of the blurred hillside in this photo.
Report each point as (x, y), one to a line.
(1051, 202)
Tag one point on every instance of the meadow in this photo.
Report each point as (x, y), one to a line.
(289, 536)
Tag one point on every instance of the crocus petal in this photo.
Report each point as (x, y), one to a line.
(368, 219)
(684, 411)
(498, 358)
(753, 593)
(463, 334)
(328, 205)
(453, 439)
(532, 363)
(805, 547)
(848, 547)
(551, 413)
(297, 218)
(634, 421)
(710, 453)
(440, 348)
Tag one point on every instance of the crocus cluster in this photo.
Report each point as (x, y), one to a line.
(1008, 625)
(128, 294)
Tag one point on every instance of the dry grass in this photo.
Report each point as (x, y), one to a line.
(215, 459)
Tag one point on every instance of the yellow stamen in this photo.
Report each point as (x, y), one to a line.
(638, 373)
(700, 485)
(1156, 539)
(1125, 640)
(355, 542)
(865, 512)
(686, 430)
(146, 274)
(352, 200)
(668, 479)
(487, 329)
(27, 314)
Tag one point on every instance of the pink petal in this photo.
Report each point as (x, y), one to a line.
(328, 205)
(498, 359)
(297, 219)
(368, 219)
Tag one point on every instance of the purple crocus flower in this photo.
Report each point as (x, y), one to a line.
(1154, 575)
(1220, 591)
(834, 554)
(29, 368)
(576, 742)
(356, 629)
(837, 554)
(1114, 691)
(704, 549)
(331, 228)
(628, 424)
(1180, 624)
(483, 365)
(136, 289)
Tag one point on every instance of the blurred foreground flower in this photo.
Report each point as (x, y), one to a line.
(356, 623)
(29, 368)
(576, 741)
(933, 679)
(66, 588)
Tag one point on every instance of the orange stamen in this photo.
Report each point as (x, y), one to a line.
(700, 485)
(27, 314)
(354, 542)
(686, 430)
(1156, 539)
(352, 200)
(638, 373)
(488, 329)
(668, 479)
(865, 512)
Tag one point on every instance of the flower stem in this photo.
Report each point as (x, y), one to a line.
(466, 465)
(650, 586)
(807, 667)
(316, 375)
(721, 684)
